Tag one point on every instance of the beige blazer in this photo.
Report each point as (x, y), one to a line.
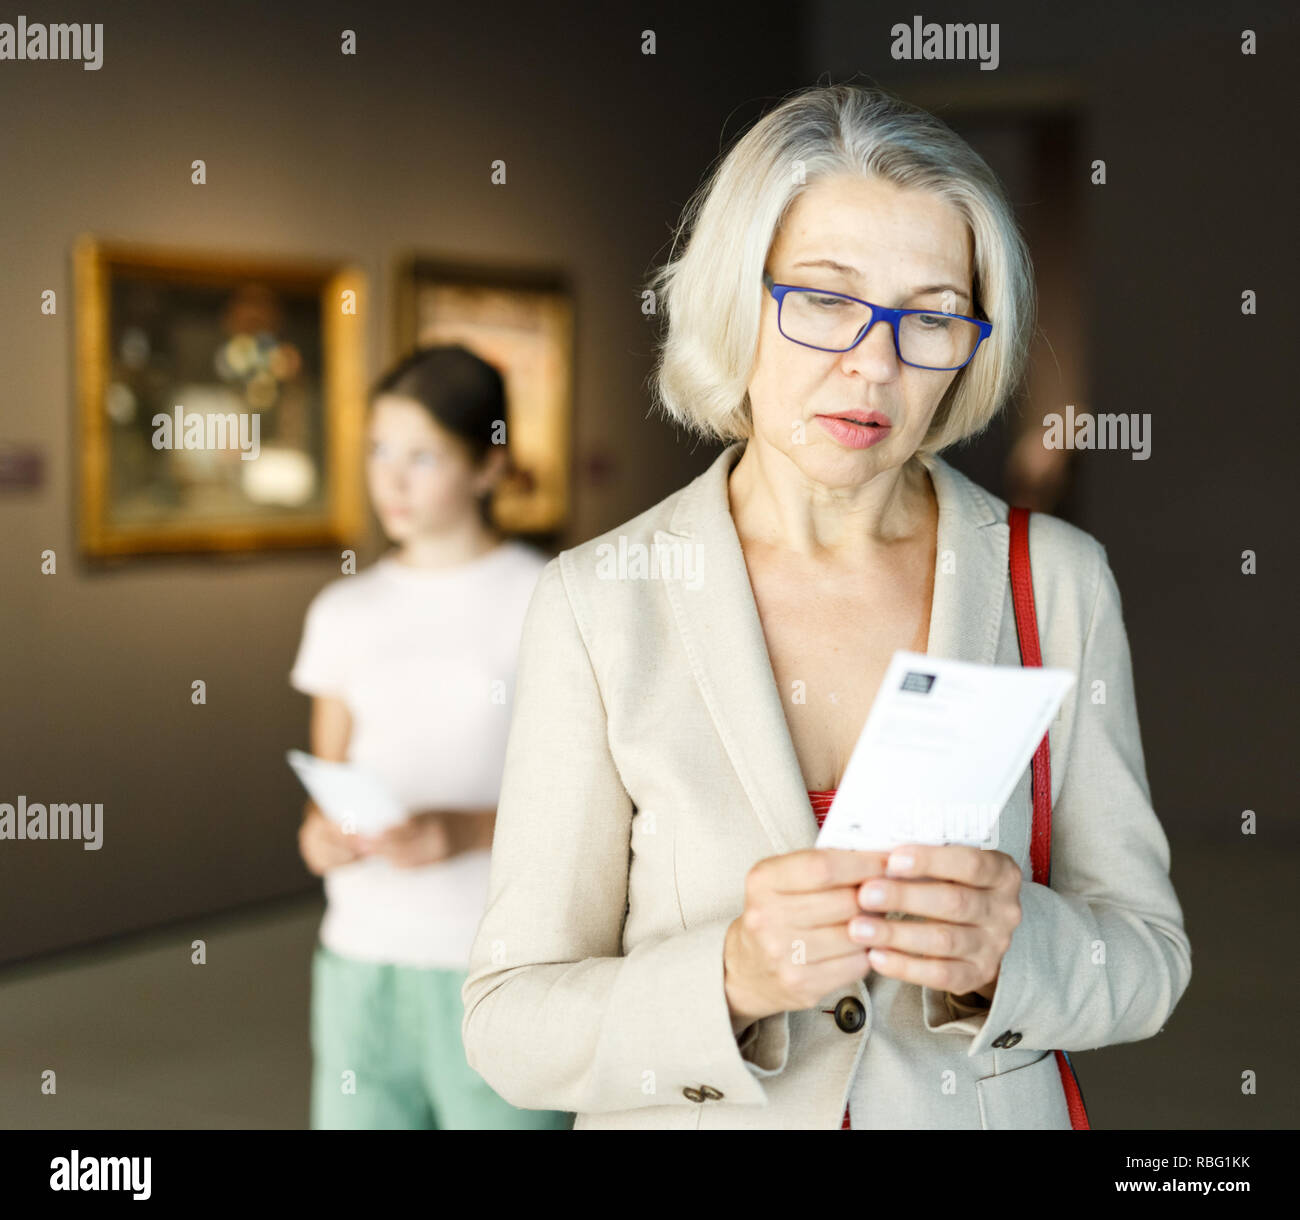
(649, 766)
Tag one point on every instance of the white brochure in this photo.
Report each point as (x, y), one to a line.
(347, 794)
(943, 747)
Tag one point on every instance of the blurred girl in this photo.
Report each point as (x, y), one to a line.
(410, 665)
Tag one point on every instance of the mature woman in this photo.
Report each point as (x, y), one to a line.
(663, 947)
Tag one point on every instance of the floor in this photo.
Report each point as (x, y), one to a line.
(138, 1036)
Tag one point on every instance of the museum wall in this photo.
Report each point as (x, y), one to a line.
(308, 154)
(368, 158)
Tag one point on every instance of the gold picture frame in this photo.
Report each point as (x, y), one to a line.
(256, 341)
(522, 322)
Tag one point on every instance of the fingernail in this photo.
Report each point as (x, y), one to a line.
(900, 862)
(863, 929)
(874, 894)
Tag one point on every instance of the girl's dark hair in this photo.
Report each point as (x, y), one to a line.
(464, 394)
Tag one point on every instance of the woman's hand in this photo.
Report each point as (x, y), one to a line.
(322, 843)
(427, 838)
(790, 945)
(968, 900)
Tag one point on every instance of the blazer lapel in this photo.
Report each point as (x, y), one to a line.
(971, 576)
(722, 635)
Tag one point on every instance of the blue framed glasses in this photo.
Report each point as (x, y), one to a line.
(835, 322)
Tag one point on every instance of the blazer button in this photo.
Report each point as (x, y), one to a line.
(692, 1094)
(710, 1092)
(1001, 1040)
(850, 1015)
(1012, 1040)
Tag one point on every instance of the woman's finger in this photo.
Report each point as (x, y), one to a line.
(395, 835)
(818, 908)
(971, 866)
(793, 947)
(801, 872)
(940, 974)
(920, 937)
(943, 900)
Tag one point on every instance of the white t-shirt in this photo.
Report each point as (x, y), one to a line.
(425, 661)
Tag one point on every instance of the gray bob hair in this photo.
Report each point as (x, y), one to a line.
(711, 293)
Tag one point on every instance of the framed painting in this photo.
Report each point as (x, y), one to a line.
(221, 401)
(522, 322)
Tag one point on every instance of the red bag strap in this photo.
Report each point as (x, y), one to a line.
(1022, 598)
(1040, 837)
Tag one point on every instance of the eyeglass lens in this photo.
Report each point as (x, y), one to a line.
(932, 340)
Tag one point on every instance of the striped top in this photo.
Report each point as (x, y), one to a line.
(821, 806)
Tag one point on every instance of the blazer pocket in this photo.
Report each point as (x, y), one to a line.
(1028, 1098)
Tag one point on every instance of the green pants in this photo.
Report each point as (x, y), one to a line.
(388, 1053)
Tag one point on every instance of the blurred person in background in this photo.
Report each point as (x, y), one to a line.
(410, 666)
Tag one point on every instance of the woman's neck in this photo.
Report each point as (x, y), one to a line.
(448, 548)
(774, 504)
